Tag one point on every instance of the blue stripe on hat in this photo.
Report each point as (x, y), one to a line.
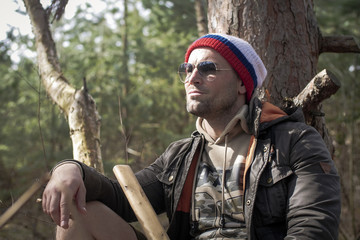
(238, 53)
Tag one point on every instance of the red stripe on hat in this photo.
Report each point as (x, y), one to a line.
(229, 55)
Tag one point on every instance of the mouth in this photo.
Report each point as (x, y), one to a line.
(194, 93)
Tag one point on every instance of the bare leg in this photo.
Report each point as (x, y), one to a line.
(100, 222)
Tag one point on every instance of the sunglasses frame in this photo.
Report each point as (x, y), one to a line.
(184, 77)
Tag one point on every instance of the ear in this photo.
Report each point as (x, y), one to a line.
(241, 87)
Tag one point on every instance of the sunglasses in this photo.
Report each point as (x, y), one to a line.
(206, 69)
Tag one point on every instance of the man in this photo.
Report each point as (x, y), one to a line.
(250, 171)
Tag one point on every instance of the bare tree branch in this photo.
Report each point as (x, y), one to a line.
(321, 87)
(56, 84)
(339, 44)
(58, 7)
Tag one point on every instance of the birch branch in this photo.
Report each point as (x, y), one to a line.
(78, 106)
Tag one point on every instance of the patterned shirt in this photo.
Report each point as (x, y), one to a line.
(217, 208)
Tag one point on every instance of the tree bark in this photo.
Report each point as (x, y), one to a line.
(78, 106)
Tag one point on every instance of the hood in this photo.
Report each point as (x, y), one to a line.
(263, 114)
(237, 125)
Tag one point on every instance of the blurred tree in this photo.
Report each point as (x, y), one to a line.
(201, 19)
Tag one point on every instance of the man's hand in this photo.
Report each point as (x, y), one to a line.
(66, 185)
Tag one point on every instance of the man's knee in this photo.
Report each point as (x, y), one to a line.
(104, 223)
(95, 206)
(99, 222)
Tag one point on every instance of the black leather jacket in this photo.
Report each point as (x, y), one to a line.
(292, 187)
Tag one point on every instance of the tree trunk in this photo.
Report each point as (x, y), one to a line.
(285, 35)
(78, 106)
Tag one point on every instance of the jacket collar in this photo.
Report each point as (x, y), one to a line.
(263, 114)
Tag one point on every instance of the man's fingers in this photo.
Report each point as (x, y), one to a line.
(53, 208)
(64, 211)
(43, 202)
(64, 186)
(81, 199)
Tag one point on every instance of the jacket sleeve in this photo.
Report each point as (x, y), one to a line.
(108, 191)
(314, 198)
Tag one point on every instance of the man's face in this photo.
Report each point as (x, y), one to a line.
(222, 96)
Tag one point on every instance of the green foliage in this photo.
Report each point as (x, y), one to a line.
(91, 46)
(22, 158)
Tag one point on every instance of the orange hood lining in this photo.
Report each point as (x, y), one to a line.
(270, 112)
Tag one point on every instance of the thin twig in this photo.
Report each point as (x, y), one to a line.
(85, 85)
(40, 129)
(27, 82)
(123, 130)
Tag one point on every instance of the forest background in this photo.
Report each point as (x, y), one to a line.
(34, 135)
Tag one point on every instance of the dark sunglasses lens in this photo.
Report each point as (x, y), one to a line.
(206, 68)
(184, 70)
(185, 67)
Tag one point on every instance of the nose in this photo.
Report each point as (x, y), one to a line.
(195, 77)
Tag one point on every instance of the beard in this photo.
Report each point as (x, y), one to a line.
(212, 107)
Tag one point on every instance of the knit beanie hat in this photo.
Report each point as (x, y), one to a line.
(239, 54)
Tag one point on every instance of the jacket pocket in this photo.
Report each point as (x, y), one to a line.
(272, 197)
(167, 177)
